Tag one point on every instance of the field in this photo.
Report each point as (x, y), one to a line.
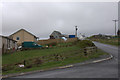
(59, 55)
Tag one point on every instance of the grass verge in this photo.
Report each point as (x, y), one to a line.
(113, 42)
(72, 57)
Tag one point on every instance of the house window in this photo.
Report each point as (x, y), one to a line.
(17, 38)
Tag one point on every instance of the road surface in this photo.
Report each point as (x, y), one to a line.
(105, 69)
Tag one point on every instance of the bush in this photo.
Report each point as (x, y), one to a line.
(75, 42)
(85, 43)
(7, 67)
(37, 61)
(52, 44)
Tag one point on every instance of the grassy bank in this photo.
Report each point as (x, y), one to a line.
(28, 54)
(47, 58)
(113, 41)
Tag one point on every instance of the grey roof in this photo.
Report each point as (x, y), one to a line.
(25, 31)
(8, 38)
(56, 32)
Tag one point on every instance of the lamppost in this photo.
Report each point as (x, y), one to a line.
(76, 31)
(115, 25)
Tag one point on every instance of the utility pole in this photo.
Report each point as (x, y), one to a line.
(115, 25)
(76, 31)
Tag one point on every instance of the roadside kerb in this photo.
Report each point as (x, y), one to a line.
(62, 67)
(103, 59)
(97, 61)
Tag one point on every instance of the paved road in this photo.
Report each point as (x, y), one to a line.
(106, 69)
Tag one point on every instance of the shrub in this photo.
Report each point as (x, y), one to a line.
(28, 66)
(37, 61)
(17, 68)
(75, 42)
(7, 67)
(52, 44)
(85, 43)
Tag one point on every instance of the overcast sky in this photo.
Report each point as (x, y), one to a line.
(42, 18)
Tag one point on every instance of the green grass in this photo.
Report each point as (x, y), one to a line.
(108, 41)
(74, 59)
(71, 54)
(19, 56)
(64, 44)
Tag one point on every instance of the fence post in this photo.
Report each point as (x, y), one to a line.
(85, 52)
(24, 62)
(96, 49)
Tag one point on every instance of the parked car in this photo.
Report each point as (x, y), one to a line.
(27, 45)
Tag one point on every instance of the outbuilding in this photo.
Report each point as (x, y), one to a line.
(7, 45)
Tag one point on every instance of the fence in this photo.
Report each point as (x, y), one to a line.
(48, 41)
(89, 50)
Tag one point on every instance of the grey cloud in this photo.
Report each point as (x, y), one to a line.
(43, 18)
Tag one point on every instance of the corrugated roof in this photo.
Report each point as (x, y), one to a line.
(8, 38)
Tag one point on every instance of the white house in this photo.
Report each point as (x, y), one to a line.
(81, 37)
